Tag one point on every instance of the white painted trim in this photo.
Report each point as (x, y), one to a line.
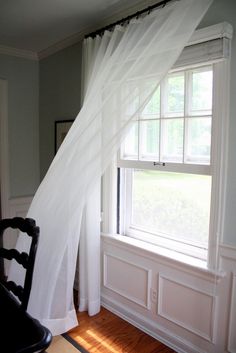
(152, 328)
(20, 53)
(146, 305)
(18, 201)
(227, 251)
(79, 36)
(178, 322)
(219, 30)
(4, 161)
(63, 44)
(219, 154)
(109, 199)
(160, 255)
(170, 167)
(19, 205)
(232, 320)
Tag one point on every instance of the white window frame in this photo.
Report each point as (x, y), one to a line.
(183, 165)
(219, 149)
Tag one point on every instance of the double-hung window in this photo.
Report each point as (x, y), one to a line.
(166, 164)
(170, 163)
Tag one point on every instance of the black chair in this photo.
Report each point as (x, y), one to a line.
(19, 331)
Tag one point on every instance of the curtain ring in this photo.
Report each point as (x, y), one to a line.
(165, 2)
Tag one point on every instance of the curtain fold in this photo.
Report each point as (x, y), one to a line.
(120, 65)
(89, 255)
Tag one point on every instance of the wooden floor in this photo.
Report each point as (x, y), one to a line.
(107, 333)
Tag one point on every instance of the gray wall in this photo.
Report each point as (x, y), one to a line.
(22, 77)
(60, 82)
(225, 10)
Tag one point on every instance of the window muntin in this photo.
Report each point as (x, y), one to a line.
(175, 128)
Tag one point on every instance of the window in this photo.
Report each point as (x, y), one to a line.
(172, 164)
(170, 206)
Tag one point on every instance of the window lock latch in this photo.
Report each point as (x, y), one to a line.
(159, 163)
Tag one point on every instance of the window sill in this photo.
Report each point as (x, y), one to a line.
(169, 257)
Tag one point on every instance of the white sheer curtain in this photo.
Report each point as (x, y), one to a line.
(89, 246)
(137, 55)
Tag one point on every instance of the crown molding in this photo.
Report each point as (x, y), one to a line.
(220, 30)
(77, 37)
(65, 43)
(20, 53)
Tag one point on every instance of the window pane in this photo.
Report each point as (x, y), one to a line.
(201, 92)
(130, 145)
(172, 140)
(175, 205)
(175, 95)
(152, 109)
(199, 140)
(149, 140)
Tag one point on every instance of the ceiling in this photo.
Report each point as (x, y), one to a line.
(36, 25)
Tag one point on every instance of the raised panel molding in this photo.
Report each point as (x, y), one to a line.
(186, 306)
(19, 206)
(232, 321)
(127, 279)
(149, 326)
(217, 331)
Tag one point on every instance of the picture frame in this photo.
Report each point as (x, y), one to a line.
(61, 129)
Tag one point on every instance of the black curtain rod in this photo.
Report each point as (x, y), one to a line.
(127, 19)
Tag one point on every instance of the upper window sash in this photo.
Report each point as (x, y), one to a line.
(187, 109)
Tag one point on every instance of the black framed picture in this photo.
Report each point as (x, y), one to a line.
(61, 129)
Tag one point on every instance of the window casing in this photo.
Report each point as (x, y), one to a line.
(189, 164)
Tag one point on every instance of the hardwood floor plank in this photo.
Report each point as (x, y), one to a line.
(107, 333)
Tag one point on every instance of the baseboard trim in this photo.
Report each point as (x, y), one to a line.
(151, 328)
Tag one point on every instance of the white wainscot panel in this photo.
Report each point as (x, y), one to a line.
(188, 307)
(18, 208)
(130, 280)
(232, 323)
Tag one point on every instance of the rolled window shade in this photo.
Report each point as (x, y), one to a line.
(213, 50)
(208, 44)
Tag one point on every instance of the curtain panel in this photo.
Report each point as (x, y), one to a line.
(137, 55)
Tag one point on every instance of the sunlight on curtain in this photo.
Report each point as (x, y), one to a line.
(138, 55)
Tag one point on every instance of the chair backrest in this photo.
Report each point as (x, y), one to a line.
(28, 226)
